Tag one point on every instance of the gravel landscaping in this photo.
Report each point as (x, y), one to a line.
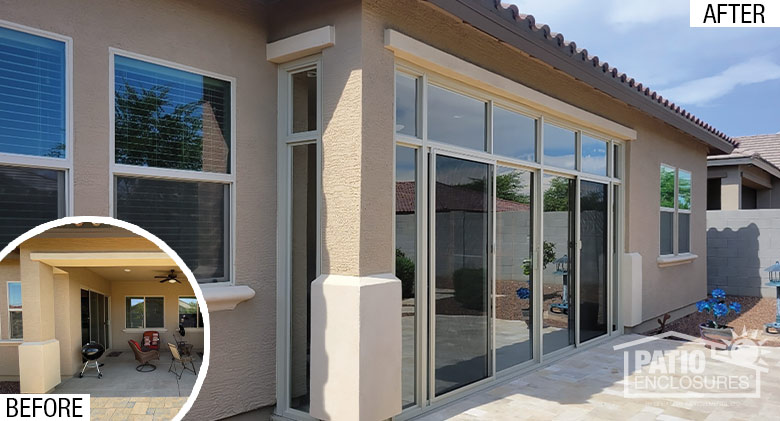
(756, 312)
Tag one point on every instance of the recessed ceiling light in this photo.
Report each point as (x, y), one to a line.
(127, 270)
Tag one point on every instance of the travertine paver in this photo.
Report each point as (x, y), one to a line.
(589, 386)
(141, 408)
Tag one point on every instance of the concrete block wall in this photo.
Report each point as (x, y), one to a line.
(740, 245)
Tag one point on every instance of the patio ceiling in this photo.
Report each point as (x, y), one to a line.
(104, 259)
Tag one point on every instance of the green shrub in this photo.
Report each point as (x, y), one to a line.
(404, 270)
(469, 287)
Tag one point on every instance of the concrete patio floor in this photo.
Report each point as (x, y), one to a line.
(590, 386)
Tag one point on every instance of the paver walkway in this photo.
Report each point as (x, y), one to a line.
(140, 408)
(589, 386)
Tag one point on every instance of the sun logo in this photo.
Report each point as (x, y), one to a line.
(746, 347)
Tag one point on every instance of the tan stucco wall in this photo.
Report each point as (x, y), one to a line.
(223, 37)
(9, 353)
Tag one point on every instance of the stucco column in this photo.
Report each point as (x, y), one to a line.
(356, 302)
(39, 354)
(731, 190)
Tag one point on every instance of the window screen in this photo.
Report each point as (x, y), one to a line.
(28, 198)
(684, 232)
(154, 312)
(667, 233)
(169, 118)
(32, 94)
(191, 217)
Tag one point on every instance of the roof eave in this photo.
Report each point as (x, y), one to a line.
(487, 19)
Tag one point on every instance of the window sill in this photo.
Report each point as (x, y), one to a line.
(150, 329)
(674, 260)
(227, 297)
(11, 342)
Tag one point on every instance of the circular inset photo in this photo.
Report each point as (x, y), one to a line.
(101, 307)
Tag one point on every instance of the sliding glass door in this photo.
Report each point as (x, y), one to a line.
(593, 259)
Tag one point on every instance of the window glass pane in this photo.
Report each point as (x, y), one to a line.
(191, 217)
(594, 155)
(32, 94)
(684, 190)
(514, 245)
(154, 312)
(28, 198)
(134, 312)
(667, 232)
(188, 311)
(169, 118)
(667, 187)
(514, 134)
(405, 104)
(14, 295)
(17, 331)
(560, 147)
(406, 261)
(304, 101)
(456, 119)
(593, 260)
(616, 156)
(684, 234)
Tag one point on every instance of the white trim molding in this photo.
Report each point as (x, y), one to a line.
(222, 298)
(301, 45)
(674, 260)
(426, 56)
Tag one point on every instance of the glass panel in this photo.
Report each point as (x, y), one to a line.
(28, 198)
(558, 263)
(406, 262)
(405, 104)
(684, 234)
(514, 134)
(593, 260)
(16, 325)
(684, 190)
(32, 94)
(106, 318)
(456, 119)
(134, 312)
(667, 232)
(594, 155)
(94, 320)
(188, 311)
(304, 101)
(461, 273)
(303, 266)
(169, 118)
(713, 193)
(667, 187)
(616, 255)
(616, 157)
(154, 312)
(191, 217)
(514, 246)
(560, 147)
(84, 317)
(14, 295)
(101, 316)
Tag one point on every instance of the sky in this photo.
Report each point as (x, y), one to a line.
(729, 77)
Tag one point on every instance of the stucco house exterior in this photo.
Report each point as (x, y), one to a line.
(387, 204)
(746, 178)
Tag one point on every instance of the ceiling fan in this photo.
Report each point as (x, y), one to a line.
(171, 277)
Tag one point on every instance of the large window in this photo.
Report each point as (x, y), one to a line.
(144, 312)
(675, 222)
(34, 129)
(189, 312)
(173, 159)
(15, 329)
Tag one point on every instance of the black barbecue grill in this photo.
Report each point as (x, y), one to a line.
(91, 352)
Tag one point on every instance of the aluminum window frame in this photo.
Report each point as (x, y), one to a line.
(144, 327)
(175, 175)
(50, 163)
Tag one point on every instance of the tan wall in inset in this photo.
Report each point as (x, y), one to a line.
(78, 278)
(731, 189)
(9, 353)
(63, 323)
(9, 361)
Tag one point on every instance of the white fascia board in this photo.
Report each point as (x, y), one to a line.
(301, 45)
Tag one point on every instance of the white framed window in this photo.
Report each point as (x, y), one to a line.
(15, 324)
(144, 312)
(35, 128)
(189, 312)
(675, 215)
(173, 158)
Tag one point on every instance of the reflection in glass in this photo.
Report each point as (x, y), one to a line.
(134, 312)
(560, 147)
(154, 312)
(170, 118)
(615, 257)
(684, 232)
(15, 310)
(303, 266)
(406, 261)
(456, 119)
(594, 155)
(29, 197)
(461, 272)
(593, 260)
(684, 190)
(616, 160)
(667, 232)
(304, 101)
(514, 135)
(514, 245)
(667, 187)
(405, 104)
(558, 263)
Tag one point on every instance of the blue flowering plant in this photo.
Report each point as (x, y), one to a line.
(716, 305)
